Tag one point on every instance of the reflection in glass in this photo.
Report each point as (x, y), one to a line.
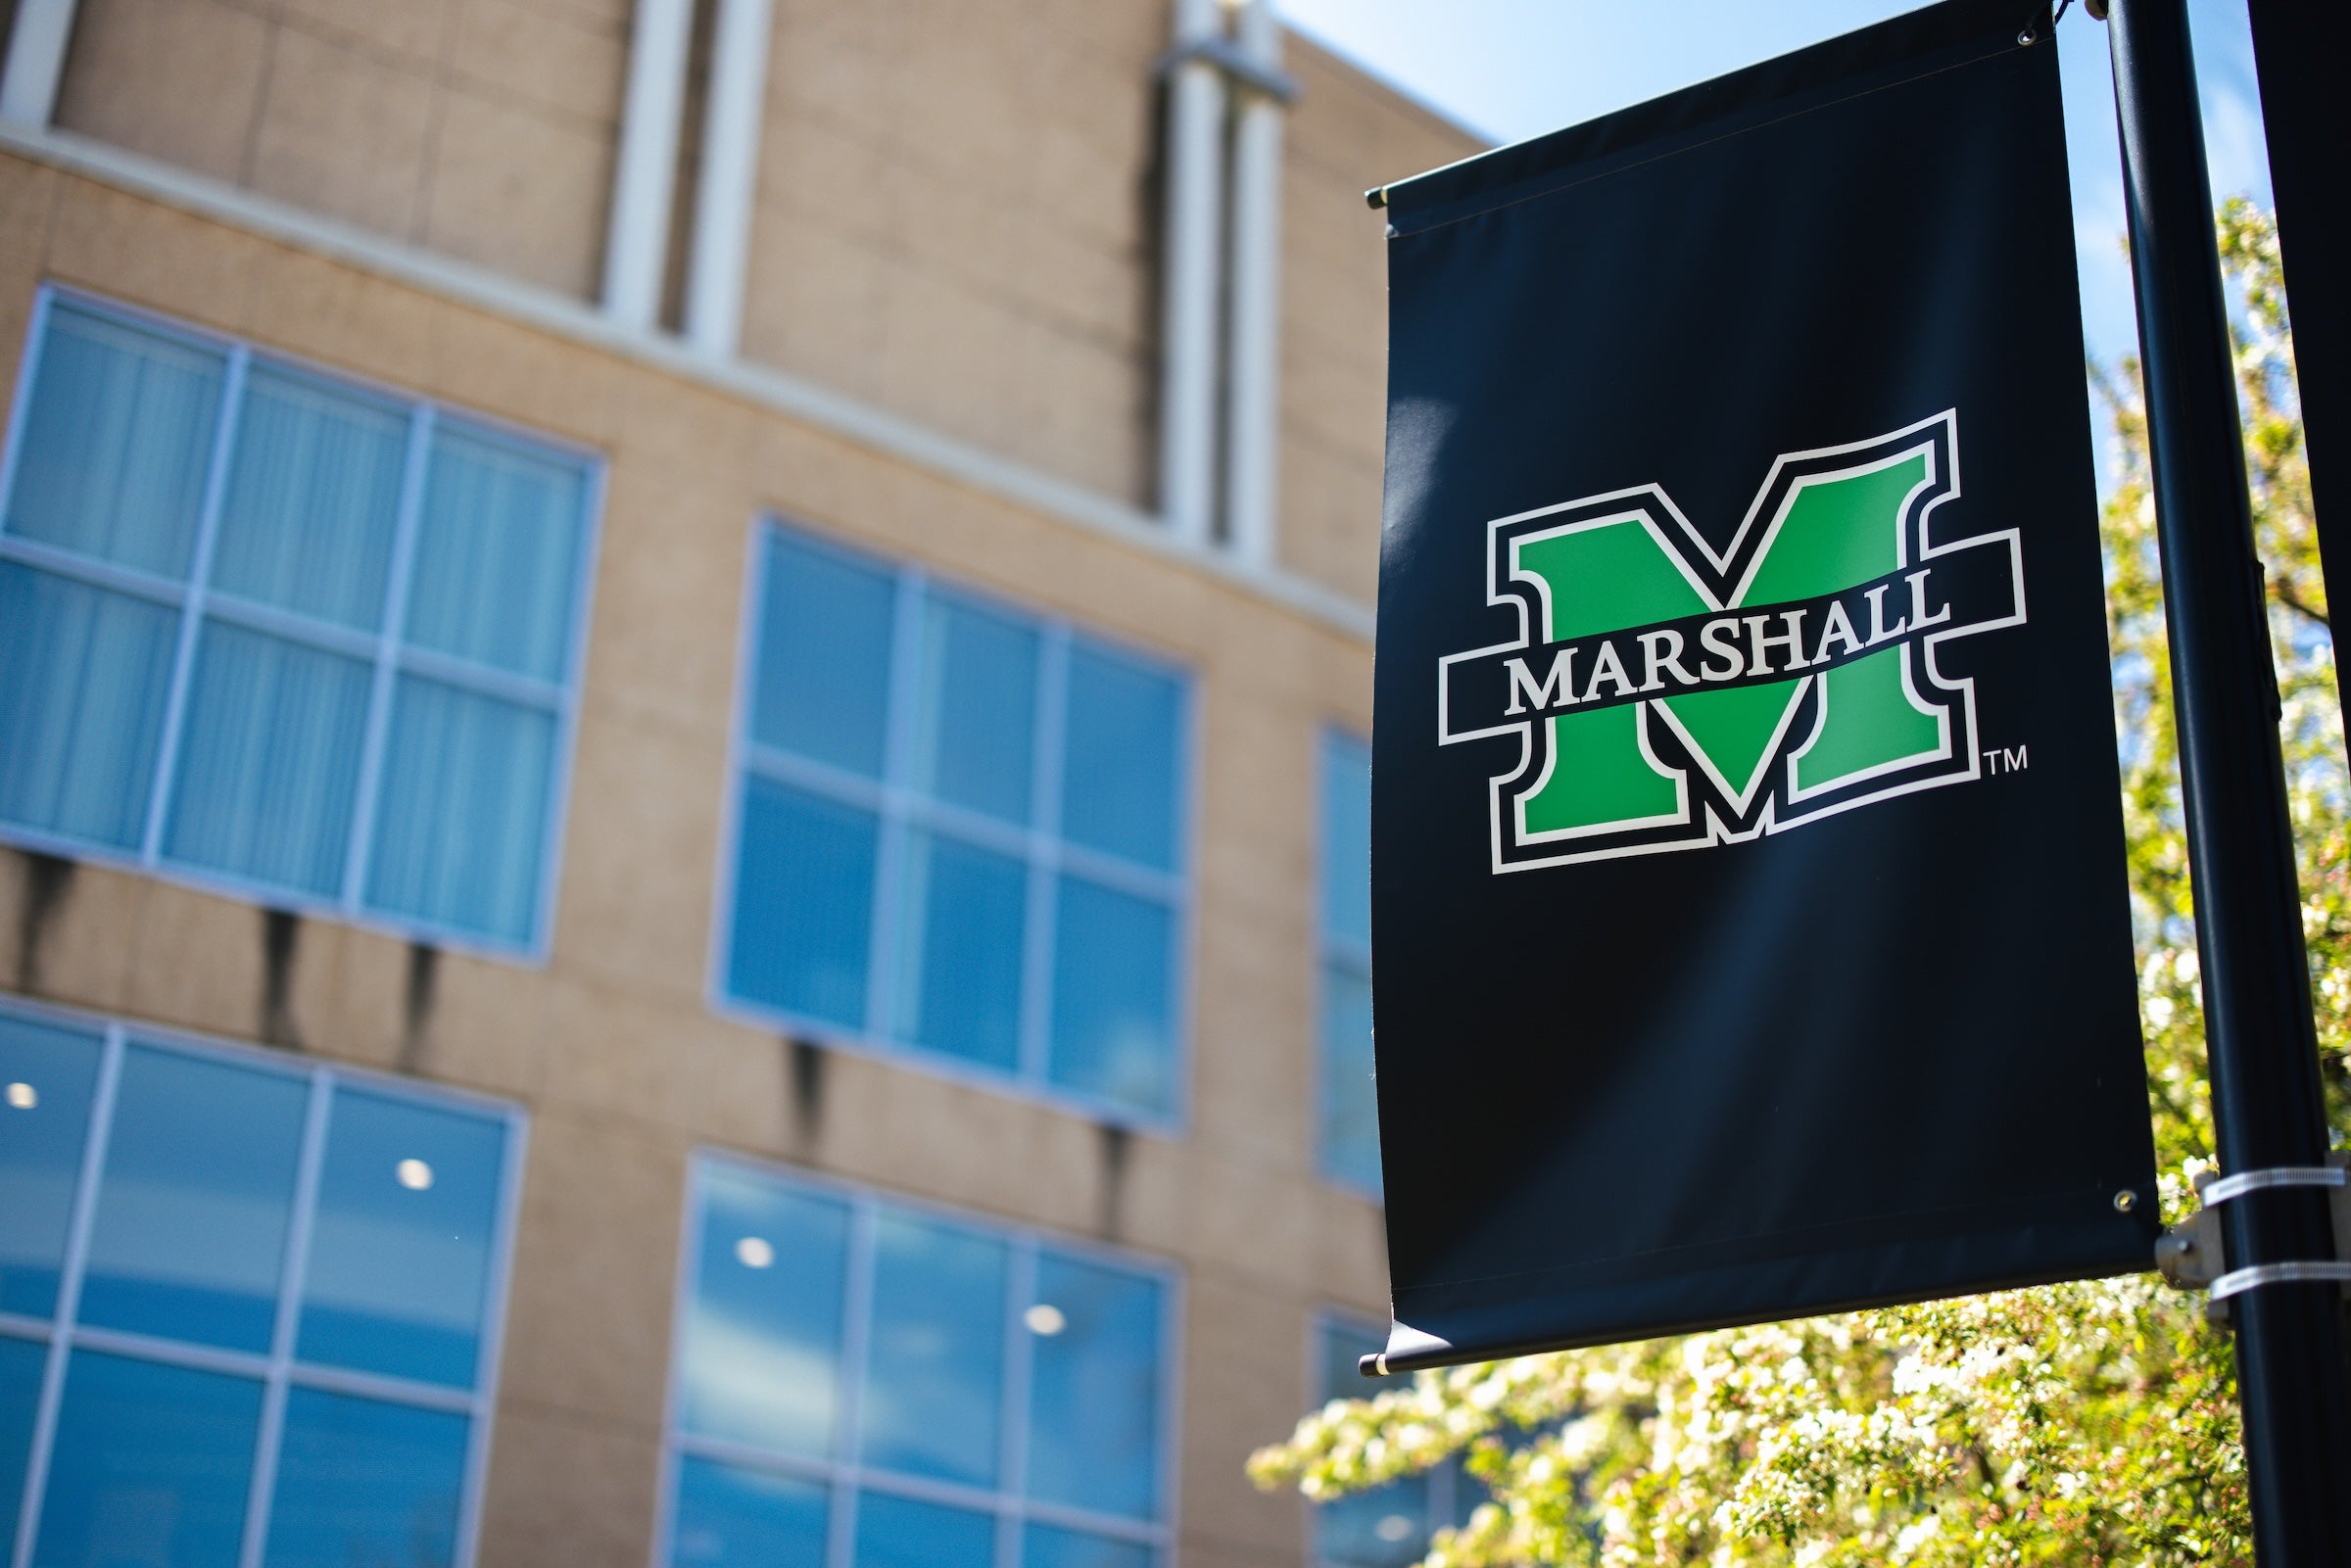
(730, 1517)
(823, 685)
(803, 903)
(1350, 1141)
(195, 1200)
(118, 436)
(976, 709)
(42, 1128)
(1120, 766)
(763, 1344)
(83, 677)
(1113, 1033)
(399, 1264)
(313, 491)
(463, 802)
(935, 1378)
(498, 552)
(271, 761)
(1044, 1546)
(361, 1482)
(902, 1532)
(151, 1466)
(959, 957)
(1346, 841)
(21, 1363)
(1094, 1403)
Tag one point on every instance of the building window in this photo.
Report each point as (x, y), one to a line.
(862, 1384)
(1389, 1526)
(1348, 1137)
(284, 633)
(959, 832)
(248, 1311)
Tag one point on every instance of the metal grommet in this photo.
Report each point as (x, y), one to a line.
(2125, 1200)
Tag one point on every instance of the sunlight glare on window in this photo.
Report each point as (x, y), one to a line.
(754, 1252)
(415, 1175)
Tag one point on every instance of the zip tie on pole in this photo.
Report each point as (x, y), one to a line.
(2260, 1274)
(2223, 1188)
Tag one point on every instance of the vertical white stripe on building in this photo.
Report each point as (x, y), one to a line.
(645, 176)
(1190, 267)
(720, 259)
(36, 61)
(1252, 396)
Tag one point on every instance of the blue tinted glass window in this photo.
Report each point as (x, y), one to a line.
(976, 709)
(1112, 996)
(459, 835)
(151, 1464)
(46, 1076)
(935, 1378)
(763, 1342)
(823, 680)
(1044, 1546)
(1346, 841)
(732, 1517)
(313, 491)
(401, 1243)
(1121, 757)
(271, 760)
(1388, 1526)
(803, 903)
(960, 958)
(195, 1201)
(360, 1481)
(84, 677)
(498, 553)
(1350, 1109)
(904, 1532)
(276, 730)
(1094, 1405)
(22, 1365)
(117, 438)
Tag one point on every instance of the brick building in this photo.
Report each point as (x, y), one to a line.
(682, 801)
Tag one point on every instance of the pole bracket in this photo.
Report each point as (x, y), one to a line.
(2193, 1255)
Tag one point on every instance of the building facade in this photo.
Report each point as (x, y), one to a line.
(683, 803)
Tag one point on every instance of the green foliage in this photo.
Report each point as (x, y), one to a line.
(2091, 1423)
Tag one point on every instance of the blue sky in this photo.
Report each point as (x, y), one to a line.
(1511, 69)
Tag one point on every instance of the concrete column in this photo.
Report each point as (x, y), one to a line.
(36, 62)
(720, 256)
(645, 174)
(1253, 343)
(1189, 275)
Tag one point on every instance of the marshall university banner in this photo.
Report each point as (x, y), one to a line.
(1750, 928)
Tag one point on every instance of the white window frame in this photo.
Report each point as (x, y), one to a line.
(278, 1371)
(897, 807)
(383, 650)
(1331, 949)
(841, 1474)
(1442, 1478)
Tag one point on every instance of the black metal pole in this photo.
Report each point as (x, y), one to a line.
(2267, 1110)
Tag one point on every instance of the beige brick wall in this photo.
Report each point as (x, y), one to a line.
(1347, 134)
(481, 128)
(609, 1044)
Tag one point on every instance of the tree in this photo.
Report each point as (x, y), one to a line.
(2087, 1423)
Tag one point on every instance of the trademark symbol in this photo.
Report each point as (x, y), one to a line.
(2004, 759)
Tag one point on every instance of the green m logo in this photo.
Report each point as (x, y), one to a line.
(1666, 696)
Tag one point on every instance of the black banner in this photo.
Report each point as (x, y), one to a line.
(1750, 934)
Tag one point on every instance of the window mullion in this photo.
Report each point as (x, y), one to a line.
(387, 656)
(1037, 958)
(897, 779)
(856, 1319)
(191, 617)
(1013, 1467)
(281, 1335)
(68, 1295)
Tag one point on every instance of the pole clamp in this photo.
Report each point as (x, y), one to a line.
(2193, 1255)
